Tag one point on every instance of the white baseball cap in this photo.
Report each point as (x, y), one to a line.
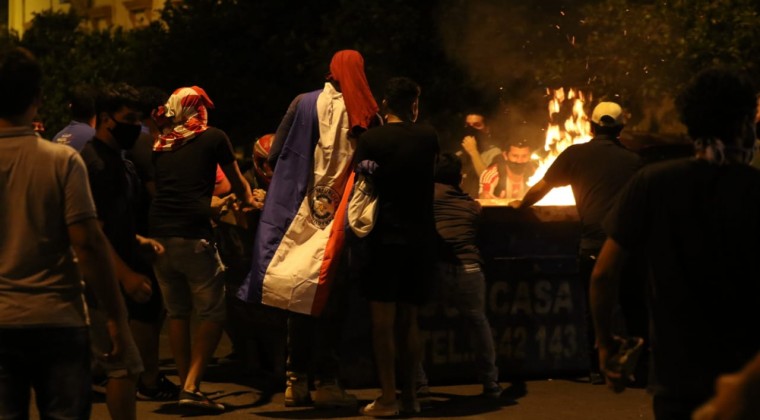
(607, 114)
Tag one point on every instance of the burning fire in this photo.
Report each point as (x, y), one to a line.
(575, 129)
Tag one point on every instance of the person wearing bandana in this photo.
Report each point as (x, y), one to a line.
(190, 272)
(508, 177)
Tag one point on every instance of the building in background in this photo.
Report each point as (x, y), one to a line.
(98, 14)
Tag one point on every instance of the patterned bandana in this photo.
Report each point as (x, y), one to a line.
(184, 116)
(347, 68)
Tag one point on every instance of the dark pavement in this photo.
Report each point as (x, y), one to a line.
(533, 400)
(247, 394)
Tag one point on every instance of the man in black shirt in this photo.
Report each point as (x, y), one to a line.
(596, 171)
(694, 222)
(190, 272)
(117, 190)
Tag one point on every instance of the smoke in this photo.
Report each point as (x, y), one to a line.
(499, 44)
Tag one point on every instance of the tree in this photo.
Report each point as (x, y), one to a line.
(643, 55)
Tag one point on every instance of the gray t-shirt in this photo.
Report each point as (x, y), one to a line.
(43, 189)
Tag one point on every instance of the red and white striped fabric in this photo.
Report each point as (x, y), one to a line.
(184, 116)
(488, 181)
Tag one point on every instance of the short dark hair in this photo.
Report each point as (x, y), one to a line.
(151, 97)
(448, 170)
(716, 102)
(522, 143)
(82, 102)
(20, 81)
(113, 97)
(400, 94)
(611, 130)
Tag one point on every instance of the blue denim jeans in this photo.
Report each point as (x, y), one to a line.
(53, 361)
(464, 287)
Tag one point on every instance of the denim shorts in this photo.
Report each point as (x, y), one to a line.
(191, 276)
(53, 361)
(128, 365)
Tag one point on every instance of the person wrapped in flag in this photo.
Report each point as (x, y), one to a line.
(301, 232)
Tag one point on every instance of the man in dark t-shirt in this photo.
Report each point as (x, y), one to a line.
(403, 236)
(116, 191)
(596, 171)
(695, 223)
(190, 272)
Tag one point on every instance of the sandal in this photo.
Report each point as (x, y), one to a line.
(165, 390)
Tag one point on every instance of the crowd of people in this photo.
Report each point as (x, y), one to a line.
(138, 214)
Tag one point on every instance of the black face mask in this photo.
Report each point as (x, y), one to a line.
(125, 134)
(474, 132)
(517, 168)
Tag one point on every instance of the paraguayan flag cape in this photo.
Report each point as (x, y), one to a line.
(301, 230)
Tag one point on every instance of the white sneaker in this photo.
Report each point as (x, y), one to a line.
(378, 409)
(331, 395)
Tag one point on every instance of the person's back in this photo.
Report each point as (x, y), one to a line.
(457, 216)
(405, 155)
(40, 283)
(190, 272)
(81, 129)
(460, 281)
(403, 236)
(46, 215)
(184, 185)
(693, 223)
(596, 170)
(700, 237)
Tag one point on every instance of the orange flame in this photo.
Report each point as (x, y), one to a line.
(575, 129)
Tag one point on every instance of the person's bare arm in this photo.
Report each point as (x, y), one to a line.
(470, 145)
(239, 185)
(533, 196)
(222, 187)
(736, 395)
(96, 263)
(603, 298)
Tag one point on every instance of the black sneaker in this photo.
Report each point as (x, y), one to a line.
(492, 390)
(596, 378)
(165, 390)
(199, 400)
(624, 360)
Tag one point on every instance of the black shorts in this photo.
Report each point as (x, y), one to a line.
(398, 273)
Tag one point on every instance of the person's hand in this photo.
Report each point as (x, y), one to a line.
(470, 145)
(136, 286)
(221, 205)
(259, 196)
(366, 167)
(515, 204)
(151, 245)
(116, 331)
(733, 400)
